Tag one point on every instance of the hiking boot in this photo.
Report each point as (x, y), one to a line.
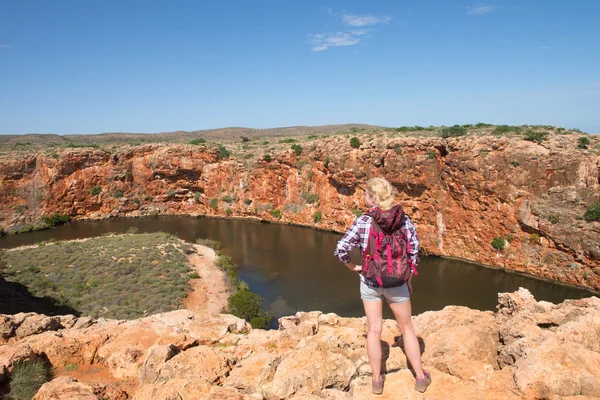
(421, 384)
(377, 387)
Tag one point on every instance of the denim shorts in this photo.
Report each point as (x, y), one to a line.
(393, 295)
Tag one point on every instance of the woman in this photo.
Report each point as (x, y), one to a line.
(380, 200)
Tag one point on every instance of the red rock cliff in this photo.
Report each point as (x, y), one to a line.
(461, 193)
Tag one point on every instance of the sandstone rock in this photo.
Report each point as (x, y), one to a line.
(12, 354)
(310, 370)
(65, 388)
(156, 357)
(200, 363)
(35, 324)
(253, 374)
(458, 341)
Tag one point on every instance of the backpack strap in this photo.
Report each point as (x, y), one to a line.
(398, 255)
(389, 257)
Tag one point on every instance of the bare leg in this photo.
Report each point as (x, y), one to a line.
(375, 323)
(402, 312)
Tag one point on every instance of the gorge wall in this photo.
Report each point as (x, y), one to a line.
(460, 192)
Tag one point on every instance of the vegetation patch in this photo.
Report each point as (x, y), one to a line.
(317, 216)
(56, 219)
(310, 197)
(354, 142)
(453, 131)
(592, 213)
(198, 141)
(95, 190)
(499, 243)
(222, 152)
(357, 212)
(297, 149)
(276, 213)
(27, 378)
(121, 277)
(583, 142)
(536, 136)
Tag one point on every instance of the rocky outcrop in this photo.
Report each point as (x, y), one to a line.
(461, 192)
(526, 350)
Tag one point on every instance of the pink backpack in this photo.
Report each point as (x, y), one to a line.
(385, 260)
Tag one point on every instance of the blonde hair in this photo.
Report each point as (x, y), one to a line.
(381, 192)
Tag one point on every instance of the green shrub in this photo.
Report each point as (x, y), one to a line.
(27, 377)
(228, 198)
(287, 141)
(453, 131)
(248, 201)
(327, 161)
(431, 154)
(198, 141)
(515, 163)
(499, 243)
(357, 212)
(147, 197)
(500, 129)
(398, 149)
(213, 244)
(482, 125)
(222, 152)
(214, 203)
(583, 142)
(534, 237)
(310, 198)
(553, 218)
(247, 305)
(354, 143)
(70, 367)
(267, 158)
(592, 213)
(228, 212)
(297, 149)
(95, 190)
(197, 197)
(276, 213)
(226, 264)
(118, 194)
(317, 217)
(535, 136)
(56, 219)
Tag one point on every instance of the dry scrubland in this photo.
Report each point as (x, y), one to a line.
(258, 144)
(122, 277)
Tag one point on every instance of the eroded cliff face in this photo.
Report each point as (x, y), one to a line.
(526, 350)
(461, 193)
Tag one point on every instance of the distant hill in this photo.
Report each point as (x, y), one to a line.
(232, 133)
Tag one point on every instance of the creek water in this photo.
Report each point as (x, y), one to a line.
(294, 269)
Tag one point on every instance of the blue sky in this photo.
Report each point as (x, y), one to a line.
(155, 66)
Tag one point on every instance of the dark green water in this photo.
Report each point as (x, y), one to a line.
(295, 270)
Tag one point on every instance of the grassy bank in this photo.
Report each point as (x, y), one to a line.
(123, 277)
(243, 303)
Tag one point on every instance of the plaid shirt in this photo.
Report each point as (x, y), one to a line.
(358, 235)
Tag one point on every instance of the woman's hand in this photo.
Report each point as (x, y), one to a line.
(354, 267)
